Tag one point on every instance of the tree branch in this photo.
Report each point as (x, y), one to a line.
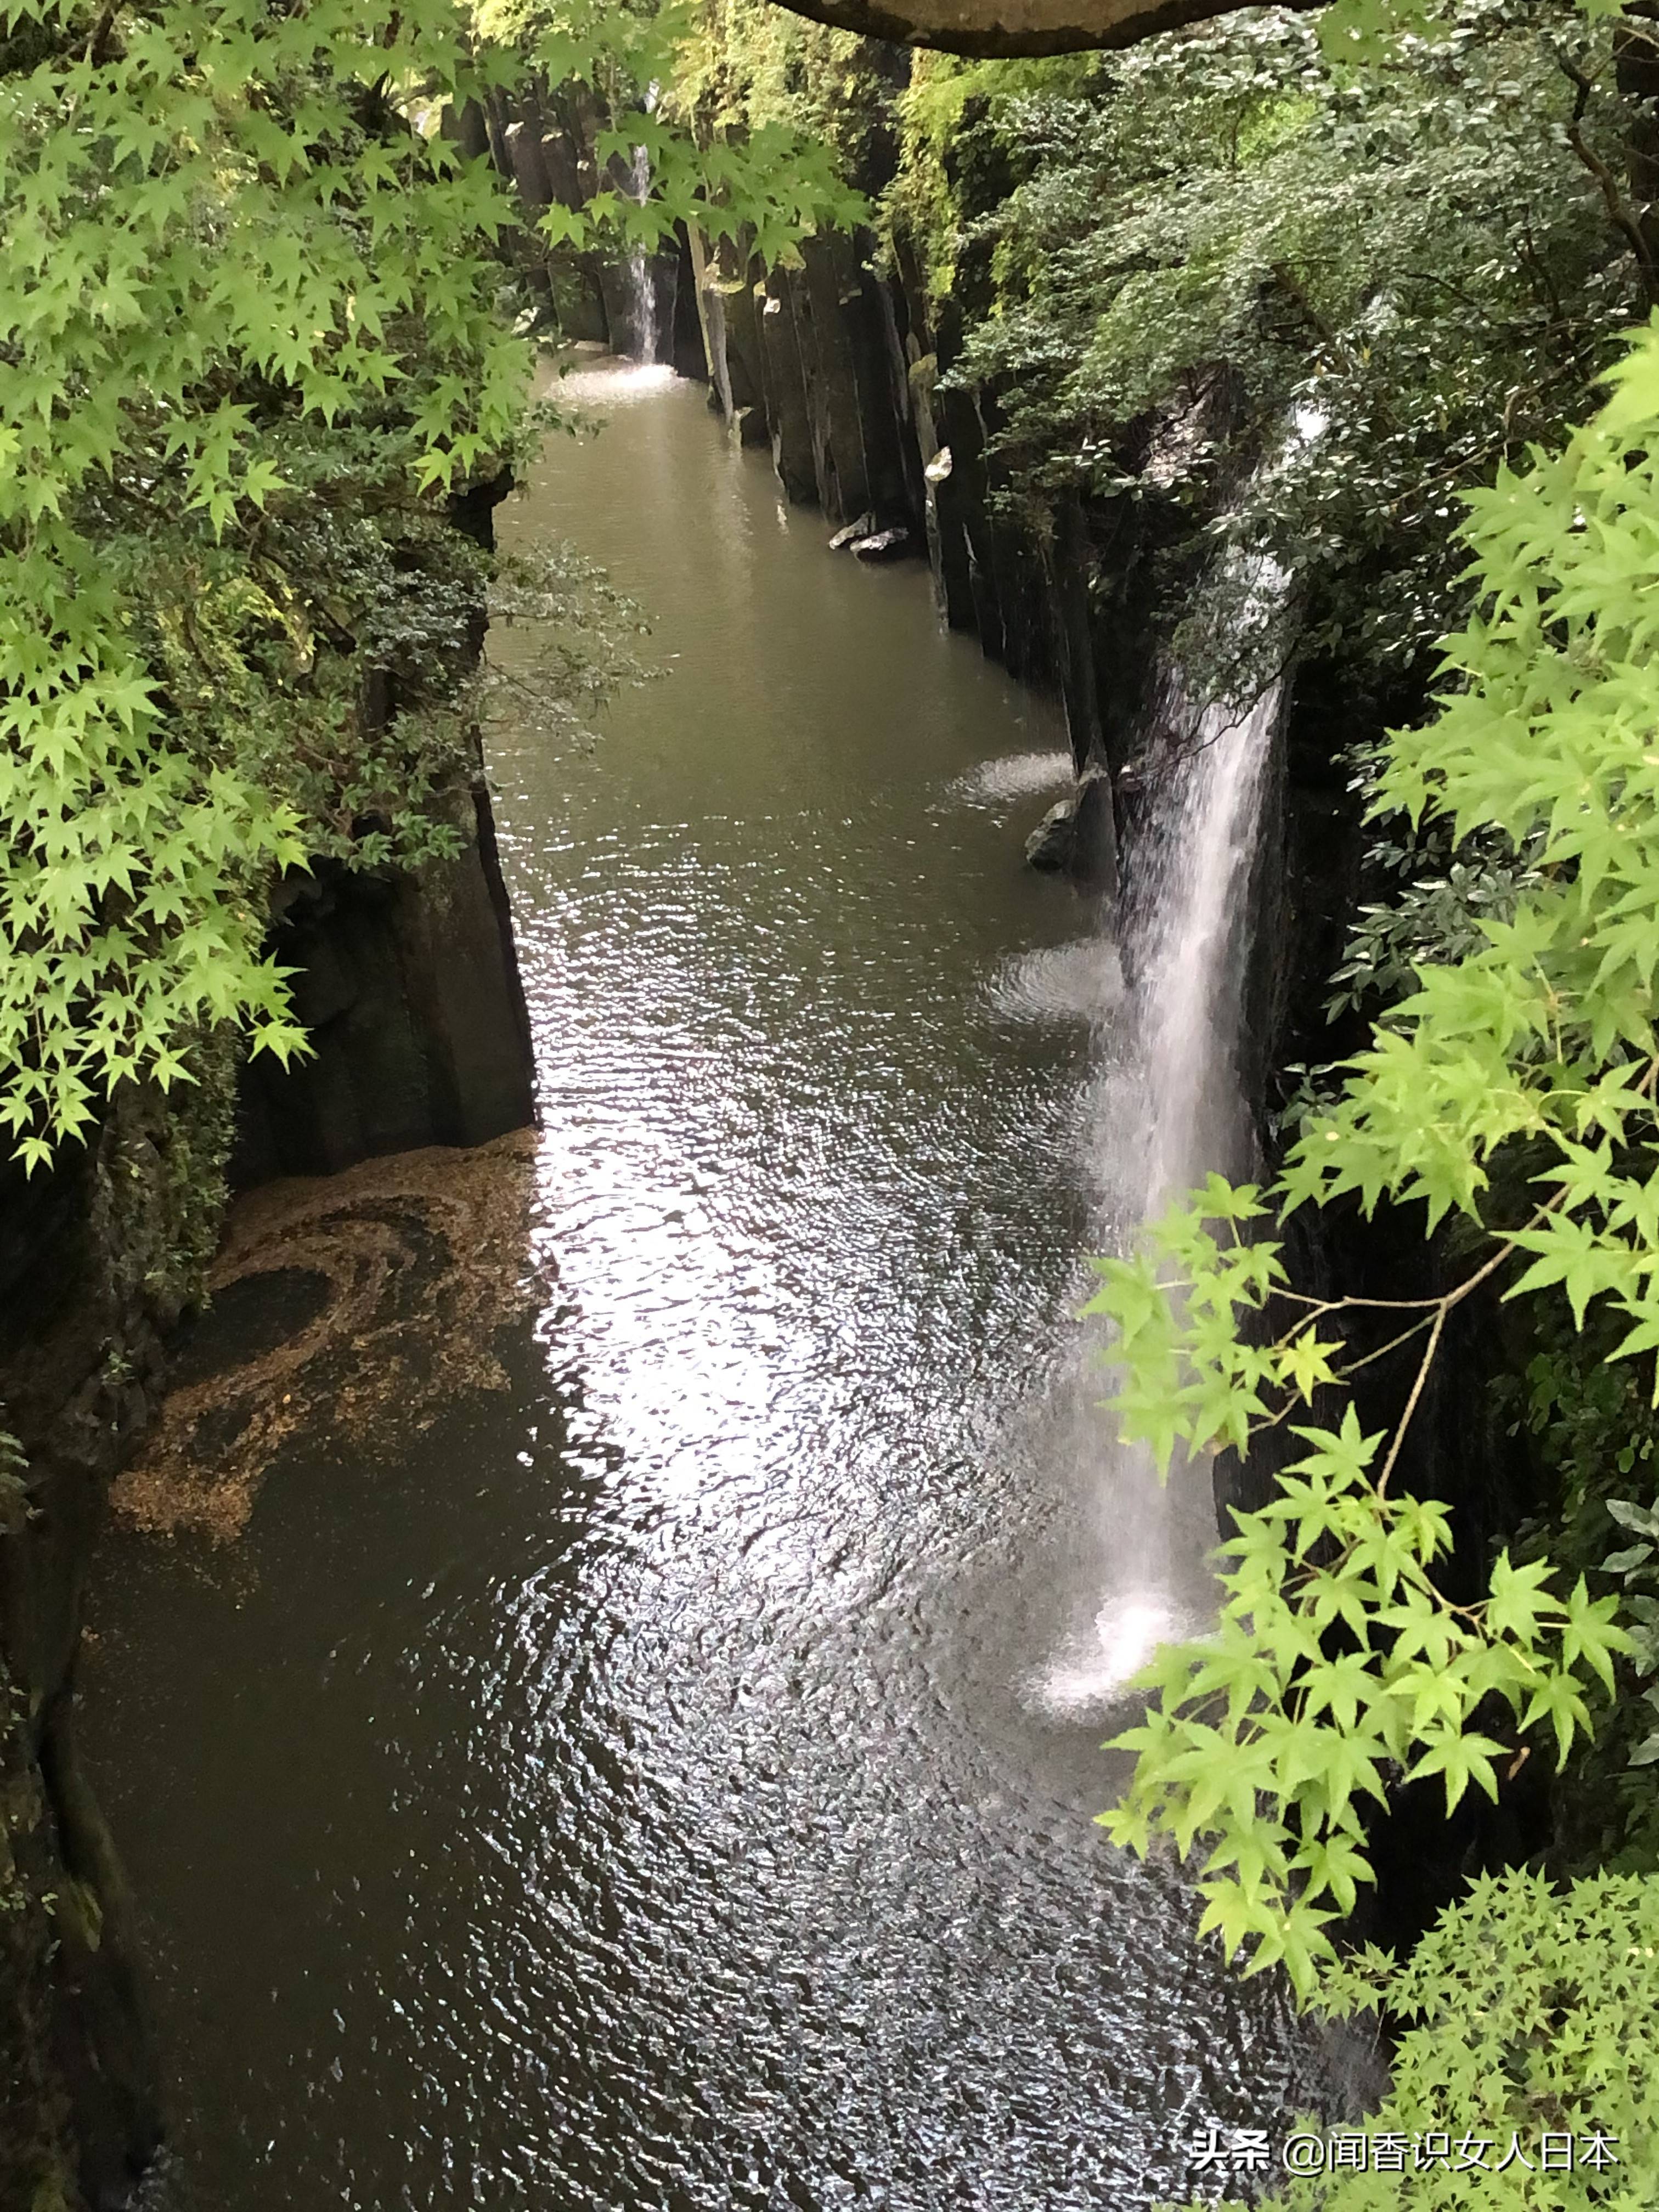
(1623, 220)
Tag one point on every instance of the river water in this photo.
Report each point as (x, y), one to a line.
(666, 1781)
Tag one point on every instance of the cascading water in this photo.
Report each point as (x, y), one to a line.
(1191, 933)
(1167, 1108)
(644, 348)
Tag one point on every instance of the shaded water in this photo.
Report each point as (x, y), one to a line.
(665, 1782)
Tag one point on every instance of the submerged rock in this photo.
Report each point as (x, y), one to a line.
(883, 545)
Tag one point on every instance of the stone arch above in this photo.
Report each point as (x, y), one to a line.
(993, 29)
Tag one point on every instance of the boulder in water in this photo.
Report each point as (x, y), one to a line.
(1078, 836)
(1049, 845)
(883, 545)
(851, 533)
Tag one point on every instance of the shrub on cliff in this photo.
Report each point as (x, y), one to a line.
(1416, 256)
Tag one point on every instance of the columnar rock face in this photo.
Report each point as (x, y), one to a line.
(407, 985)
(795, 454)
(409, 989)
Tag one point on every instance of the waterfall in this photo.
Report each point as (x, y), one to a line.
(641, 286)
(1167, 1106)
(1189, 929)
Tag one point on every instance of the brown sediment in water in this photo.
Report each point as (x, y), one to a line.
(364, 1301)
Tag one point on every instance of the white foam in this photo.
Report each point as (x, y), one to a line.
(1014, 776)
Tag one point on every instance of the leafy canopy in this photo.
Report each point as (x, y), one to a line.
(209, 236)
(1416, 253)
(1524, 2013)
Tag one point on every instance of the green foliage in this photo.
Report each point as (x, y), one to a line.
(263, 636)
(1160, 254)
(770, 189)
(947, 103)
(1525, 2013)
(1443, 893)
(1337, 1661)
(1535, 1050)
(222, 237)
(1595, 1434)
(164, 1186)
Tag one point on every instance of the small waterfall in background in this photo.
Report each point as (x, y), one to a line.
(1167, 1107)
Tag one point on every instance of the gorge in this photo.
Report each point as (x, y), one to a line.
(691, 1803)
(592, 1691)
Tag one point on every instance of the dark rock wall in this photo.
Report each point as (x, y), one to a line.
(409, 987)
(86, 1304)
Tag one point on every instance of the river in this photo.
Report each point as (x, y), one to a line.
(665, 1779)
